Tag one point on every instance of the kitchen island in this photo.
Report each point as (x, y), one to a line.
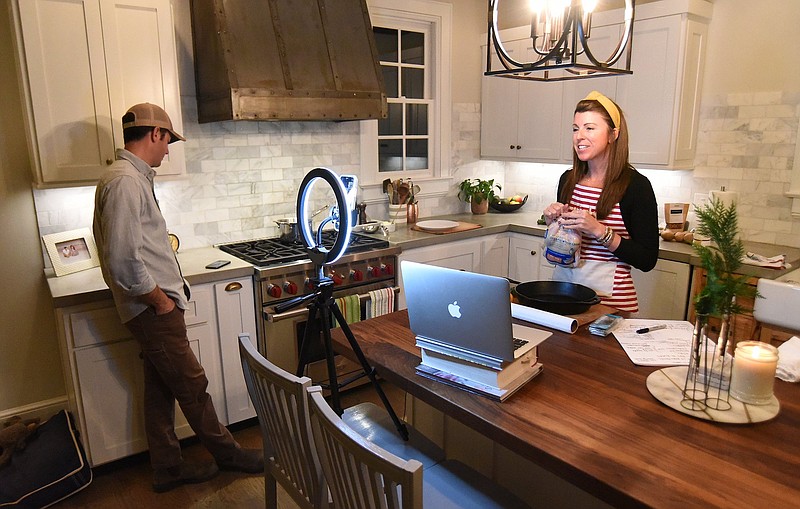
(589, 420)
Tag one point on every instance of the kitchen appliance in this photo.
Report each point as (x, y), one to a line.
(283, 271)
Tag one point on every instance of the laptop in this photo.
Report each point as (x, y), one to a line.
(465, 311)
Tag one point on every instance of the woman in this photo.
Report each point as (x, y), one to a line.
(610, 203)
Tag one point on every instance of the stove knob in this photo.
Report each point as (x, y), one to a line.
(337, 278)
(389, 269)
(290, 287)
(374, 271)
(356, 275)
(274, 291)
(309, 284)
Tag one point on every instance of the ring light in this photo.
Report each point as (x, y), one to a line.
(324, 256)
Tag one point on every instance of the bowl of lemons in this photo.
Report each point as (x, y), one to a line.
(508, 204)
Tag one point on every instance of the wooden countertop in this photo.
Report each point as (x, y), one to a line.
(590, 419)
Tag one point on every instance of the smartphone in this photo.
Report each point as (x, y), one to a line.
(217, 264)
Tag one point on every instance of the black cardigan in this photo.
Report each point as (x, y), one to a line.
(639, 211)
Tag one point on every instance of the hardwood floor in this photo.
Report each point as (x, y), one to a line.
(127, 483)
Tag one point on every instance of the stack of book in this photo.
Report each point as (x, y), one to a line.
(476, 372)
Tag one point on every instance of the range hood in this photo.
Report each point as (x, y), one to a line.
(285, 60)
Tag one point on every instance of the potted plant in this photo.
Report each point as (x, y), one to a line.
(478, 193)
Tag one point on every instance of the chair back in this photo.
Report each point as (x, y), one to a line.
(281, 404)
(359, 473)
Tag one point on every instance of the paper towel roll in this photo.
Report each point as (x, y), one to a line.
(539, 317)
(725, 197)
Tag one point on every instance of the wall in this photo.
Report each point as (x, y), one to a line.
(29, 363)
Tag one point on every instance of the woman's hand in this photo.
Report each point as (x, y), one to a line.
(554, 211)
(583, 221)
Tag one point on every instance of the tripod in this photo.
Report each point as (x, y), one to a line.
(321, 306)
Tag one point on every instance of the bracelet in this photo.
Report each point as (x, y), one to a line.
(605, 240)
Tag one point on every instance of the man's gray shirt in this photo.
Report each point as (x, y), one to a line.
(131, 235)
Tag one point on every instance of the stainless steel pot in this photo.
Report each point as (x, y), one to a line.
(288, 230)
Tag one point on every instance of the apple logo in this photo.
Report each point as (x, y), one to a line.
(454, 309)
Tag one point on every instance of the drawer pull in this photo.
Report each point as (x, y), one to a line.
(232, 287)
(533, 253)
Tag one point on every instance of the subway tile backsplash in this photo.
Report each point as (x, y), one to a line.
(241, 176)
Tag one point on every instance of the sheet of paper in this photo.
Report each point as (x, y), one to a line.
(670, 346)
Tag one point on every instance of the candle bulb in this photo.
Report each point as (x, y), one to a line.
(753, 374)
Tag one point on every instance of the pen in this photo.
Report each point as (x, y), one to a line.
(650, 329)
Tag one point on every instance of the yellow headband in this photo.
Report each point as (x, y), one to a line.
(607, 104)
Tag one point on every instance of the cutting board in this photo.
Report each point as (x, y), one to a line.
(462, 227)
(593, 313)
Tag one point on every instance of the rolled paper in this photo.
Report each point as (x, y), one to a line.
(545, 318)
(725, 197)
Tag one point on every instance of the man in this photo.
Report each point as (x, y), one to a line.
(151, 295)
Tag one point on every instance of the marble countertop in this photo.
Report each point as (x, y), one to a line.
(525, 222)
(88, 285)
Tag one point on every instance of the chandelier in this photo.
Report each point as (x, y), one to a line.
(560, 36)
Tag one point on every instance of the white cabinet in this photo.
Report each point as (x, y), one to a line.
(105, 382)
(520, 120)
(83, 64)
(235, 305)
(525, 259)
(661, 99)
(664, 291)
(487, 254)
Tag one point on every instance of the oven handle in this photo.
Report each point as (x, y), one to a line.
(271, 316)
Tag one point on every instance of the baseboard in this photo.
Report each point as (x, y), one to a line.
(41, 409)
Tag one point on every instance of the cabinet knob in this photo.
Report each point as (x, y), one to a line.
(519, 147)
(109, 162)
(232, 287)
(533, 253)
(511, 147)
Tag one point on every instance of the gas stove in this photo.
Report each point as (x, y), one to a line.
(273, 251)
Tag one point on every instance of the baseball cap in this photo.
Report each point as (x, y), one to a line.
(150, 115)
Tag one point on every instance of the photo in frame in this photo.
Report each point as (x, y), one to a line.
(71, 251)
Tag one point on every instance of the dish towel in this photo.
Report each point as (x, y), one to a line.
(772, 262)
(789, 360)
(380, 302)
(350, 306)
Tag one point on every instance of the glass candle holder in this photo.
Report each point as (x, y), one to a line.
(753, 375)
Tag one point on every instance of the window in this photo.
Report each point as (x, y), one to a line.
(413, 43)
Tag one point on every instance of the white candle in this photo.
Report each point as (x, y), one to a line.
(753, 374)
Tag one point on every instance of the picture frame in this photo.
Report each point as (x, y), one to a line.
(71, 251)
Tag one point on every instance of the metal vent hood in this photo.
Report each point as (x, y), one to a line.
(285, 60)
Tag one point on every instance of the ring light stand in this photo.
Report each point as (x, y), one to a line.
(321, 304)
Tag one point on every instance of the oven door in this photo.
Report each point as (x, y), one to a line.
(283, 337)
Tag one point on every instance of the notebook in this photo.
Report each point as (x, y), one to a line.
(465, 311)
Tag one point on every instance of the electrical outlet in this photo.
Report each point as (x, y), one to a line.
(700, 199)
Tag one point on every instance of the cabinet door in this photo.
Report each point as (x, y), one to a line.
(462, 255)
(664, 291)
(62, 52)
(648, 96)
(142, 65)
(235, 314)
(499, 109)
(494, 255)
(524, 253)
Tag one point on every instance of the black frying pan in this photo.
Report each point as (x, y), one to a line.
(558, 297)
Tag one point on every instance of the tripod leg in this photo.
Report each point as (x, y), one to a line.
(310, 334)
(325, 316)
(369, 370)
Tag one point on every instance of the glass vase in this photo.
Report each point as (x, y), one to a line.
(708, 374)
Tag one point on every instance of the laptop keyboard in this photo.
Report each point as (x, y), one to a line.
(519, 343)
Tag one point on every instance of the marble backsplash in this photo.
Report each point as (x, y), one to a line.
(241, 176)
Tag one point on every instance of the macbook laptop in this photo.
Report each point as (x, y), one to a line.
(465, 311)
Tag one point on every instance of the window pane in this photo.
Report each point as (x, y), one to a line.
(413, 47)
(417, 119)
(392, 125)
(386, 41)
(390, 80)
(416, 154)
(390, 155)
(413, 83)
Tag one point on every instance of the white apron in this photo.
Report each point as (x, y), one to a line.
(597, 275)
